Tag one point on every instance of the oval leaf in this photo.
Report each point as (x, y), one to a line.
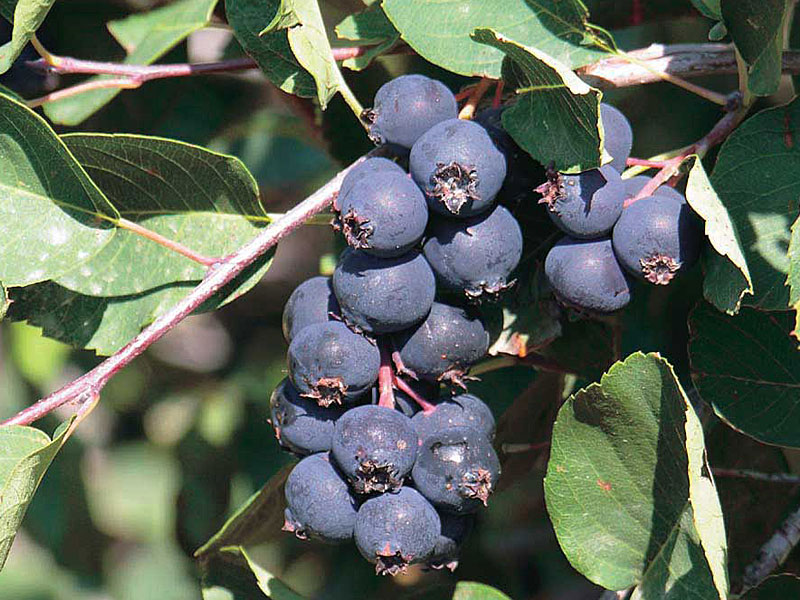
(26, 16)
(52, 216)
(558, 28)
(556, 118)
(471, 590)
(25, 454)
(727, 277)
(755, 177)
(206, 201)
(747, 367)
(627, 486)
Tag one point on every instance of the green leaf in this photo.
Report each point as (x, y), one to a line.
(627, 486)
(748, 369)
(725, 284)
(776, 587)
(27, 16)
(471, 590)
(793, 279)
(709, 8)
(370, 28)
(755, 177)
(756, 27)
(146, 38)
(206, 201)
(52, 216)
(257, 521)
(106, 324)
(271, 51)
(25, 454)
(557, 115)
(309, 43)
(233, 575)
(4, 302)
(558, 28)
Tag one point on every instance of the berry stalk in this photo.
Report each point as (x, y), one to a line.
(385, 378)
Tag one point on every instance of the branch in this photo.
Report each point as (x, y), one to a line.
(789, 478)
(89, 385)
(681, 60)
(774, 552)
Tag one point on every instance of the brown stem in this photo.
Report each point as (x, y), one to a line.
(680, 60)
(80, 88)
(166, 242)
(90, 384)
(468, 110)
(789, 478)
(717, 135)
(774, 552)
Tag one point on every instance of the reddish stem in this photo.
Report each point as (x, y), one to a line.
(497, 101)
(166, 242)
(426, 406)
(468, 110)
(643, 162)
(385, 376)
(637, 13)
(90, 384)
(671, 168)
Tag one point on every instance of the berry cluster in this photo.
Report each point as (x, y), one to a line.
(390, 460)
(653, 238)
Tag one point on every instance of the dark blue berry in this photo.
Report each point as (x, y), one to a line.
(301, 425)
(384, 215)
(406, 107)
(464, 410)
(444, 345)
(396, 530)
(368, 169)
(585, 205)
(382, 295)
(585, 274)
(375, 447)
(475, 255)
(522, 172)
(456, 469)
(455, 529)
(332, 365)
(319, 503)
(656, 237)
(618, 135)
(311, 302)
(458, 167)
(635, 184)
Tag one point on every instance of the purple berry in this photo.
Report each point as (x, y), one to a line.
(330, 364)
(319, 503)
(444, 345)
(586, 205)
(455, 529)
(396, 530)
(384, 214)
(464, 410)
(301, 425)
(618, 135)
(311, 302)
(585, 274)
(382, 295)
(458, 167)
(368, 169)
(408, 106)
(375, 447)
(456, 469)
(635, 184)
(475, 255)
(656, 237)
